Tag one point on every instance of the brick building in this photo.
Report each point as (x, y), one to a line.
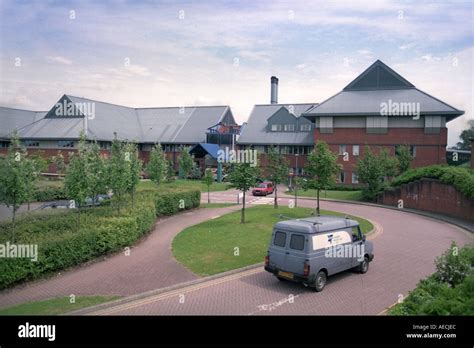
(379, 108)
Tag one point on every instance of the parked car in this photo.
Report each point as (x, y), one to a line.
(263, 189)
(99, 200)
(56, 205)
(309, 250)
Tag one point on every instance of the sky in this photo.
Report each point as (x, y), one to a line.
(179, 53)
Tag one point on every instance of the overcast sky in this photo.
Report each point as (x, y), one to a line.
(168, 53)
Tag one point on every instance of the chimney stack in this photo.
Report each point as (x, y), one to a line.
(274, 90)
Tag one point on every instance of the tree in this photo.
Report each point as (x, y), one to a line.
(134, 169)
(404, 158)
(277, 170)
(96, 172)
(14, 178)
(185, 162)
(321, 168)
(156, 167)
(242, 177)
(389, 163)
(33, 165)
(117, 170)
(370, 171)
(170, 174)
(208, 180)
(466, 136)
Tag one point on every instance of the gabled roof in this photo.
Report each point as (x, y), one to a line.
(181, 125)
(255, 131)
(210, 149)
(376, 85)
(378, 76)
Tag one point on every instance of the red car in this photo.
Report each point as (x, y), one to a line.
(263, 189)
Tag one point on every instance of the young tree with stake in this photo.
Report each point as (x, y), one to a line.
(277, 170)
(208, 180)
(243, 177)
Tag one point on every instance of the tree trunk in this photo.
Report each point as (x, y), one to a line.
(317, 198)
(242, 216)
(275, 204)
(13, 224)
(28, 205)
(208, 196)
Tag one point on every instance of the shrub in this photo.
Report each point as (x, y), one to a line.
(449, 291)
(49, 194)
(461, 178)
(63, 243)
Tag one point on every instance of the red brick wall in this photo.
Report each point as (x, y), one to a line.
(430, 195)
(430, 148)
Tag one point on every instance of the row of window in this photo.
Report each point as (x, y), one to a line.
(356, 150)
(290, 127)
(341, 179)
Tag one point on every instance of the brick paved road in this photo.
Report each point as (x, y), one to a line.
(404, 253)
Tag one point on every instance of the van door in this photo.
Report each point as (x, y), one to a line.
(296, 253)
(332, 245)
(277, 250)
(358, 245)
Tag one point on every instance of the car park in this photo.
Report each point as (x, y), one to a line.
(310, 250)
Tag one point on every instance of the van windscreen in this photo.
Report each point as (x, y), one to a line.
(297, 241)
(280, 239)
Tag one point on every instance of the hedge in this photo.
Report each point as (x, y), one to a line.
(45, 194)
(63, 243)
(461, 178)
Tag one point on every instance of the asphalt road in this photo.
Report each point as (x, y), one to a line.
(405, 249)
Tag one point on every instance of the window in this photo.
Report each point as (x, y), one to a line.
(276, 127)
(4, 144)
(104, 145)
(65, 143)
(289, 128)
(342, 149)
(413, 151)
(356, 235)
(280, 239)
(355, 178)
(305, 127)
(297, 242)
(31, 143)
(355, 150)
(342, 177)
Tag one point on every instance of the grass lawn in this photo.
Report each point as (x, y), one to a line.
(55, 306)
(197, 184)
(208, 248)
(331, 194)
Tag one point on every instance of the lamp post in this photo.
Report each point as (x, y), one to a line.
(295, 180)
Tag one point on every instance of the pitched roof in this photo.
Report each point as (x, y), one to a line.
(12, 119)
(211, 149)
(376, 85)
(181, 125)
(255, 131)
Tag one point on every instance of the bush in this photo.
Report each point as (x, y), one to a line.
(450, 291)
(63, 243)
(49, 194)
(461, 178)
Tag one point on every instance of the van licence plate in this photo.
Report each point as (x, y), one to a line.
(287, 275)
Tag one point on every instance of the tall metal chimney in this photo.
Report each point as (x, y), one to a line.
(274, 90)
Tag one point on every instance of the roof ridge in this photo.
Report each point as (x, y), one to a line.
(8, 107)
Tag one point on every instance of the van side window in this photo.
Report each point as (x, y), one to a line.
(280, 239)
(297, 242)
(356, 235)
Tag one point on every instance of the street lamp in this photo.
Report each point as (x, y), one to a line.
(295, 180)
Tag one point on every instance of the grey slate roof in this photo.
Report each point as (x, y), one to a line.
(11, 119)
(379, 84)
(177, 125)
(255, 131)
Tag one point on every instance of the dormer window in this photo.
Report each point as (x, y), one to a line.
(289, 127)
(305, 127)
(276, 127)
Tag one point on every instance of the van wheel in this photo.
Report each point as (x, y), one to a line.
(320, 281)
(364, 266)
